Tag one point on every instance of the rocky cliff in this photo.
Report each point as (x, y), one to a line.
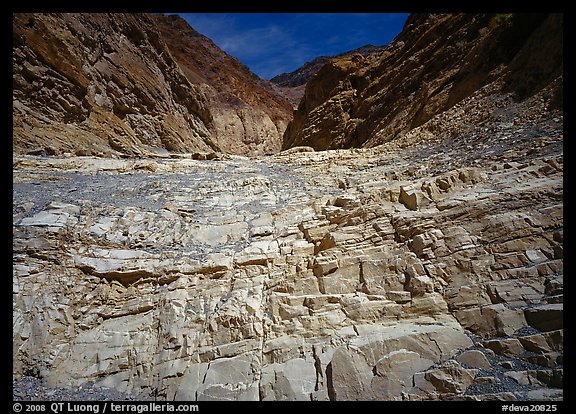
(134, 84)
(300, 76)
(95, 83)
(426, 268)
(292, 84)
(249, 115)
(436, 62)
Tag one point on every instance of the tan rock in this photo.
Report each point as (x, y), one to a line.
(450, 378)
(394, 373)
(348, 377)
(363, 309)
(298, 276)
(294, 380)
(475, 359)
(409, 197)
(419, 285)
(375, 342)
(492, 320)
(399, 296)
(230, 379)
(506, 347)
(521, 377)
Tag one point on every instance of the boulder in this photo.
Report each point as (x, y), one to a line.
(506, 347)
(475, 359)
(451, 378)
(545, 317)
(294, 380)
(395, 371)
(348, 377)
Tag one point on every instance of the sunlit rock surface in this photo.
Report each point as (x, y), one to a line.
(398, 272)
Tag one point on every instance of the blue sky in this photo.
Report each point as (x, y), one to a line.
(274, 43)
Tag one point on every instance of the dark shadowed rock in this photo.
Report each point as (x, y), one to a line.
(546, 317)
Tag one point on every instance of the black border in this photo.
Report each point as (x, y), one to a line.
(241, 6)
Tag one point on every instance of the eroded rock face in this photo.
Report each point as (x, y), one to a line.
(302, 276)
(107, 83)
(249, 115)
(436, 62)
(134, 85)
(430, 267)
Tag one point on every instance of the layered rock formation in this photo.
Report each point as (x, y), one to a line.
(436, 62)
(429, 267)
(125, 84)
(249, 115)
(399, 272)
(292, 85)
(300, 76)
(94, 83)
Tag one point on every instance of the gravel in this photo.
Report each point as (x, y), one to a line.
(27, 388)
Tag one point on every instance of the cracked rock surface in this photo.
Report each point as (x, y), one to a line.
(398, 272)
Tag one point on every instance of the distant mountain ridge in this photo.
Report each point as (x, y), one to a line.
(301, 75)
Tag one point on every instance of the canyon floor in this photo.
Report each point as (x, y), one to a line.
(421, 269)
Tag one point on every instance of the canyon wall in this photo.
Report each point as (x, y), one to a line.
(427, 264)
(434, 63)
(134, 85)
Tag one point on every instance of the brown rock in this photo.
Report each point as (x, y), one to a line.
(147, 83)
(505, 347)
(551, 377)
(506, 364)
(535, 343)
(248, 114)
(555, 339)
(491, 320)
(364, 102)
(546, 317)
(122, 92)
